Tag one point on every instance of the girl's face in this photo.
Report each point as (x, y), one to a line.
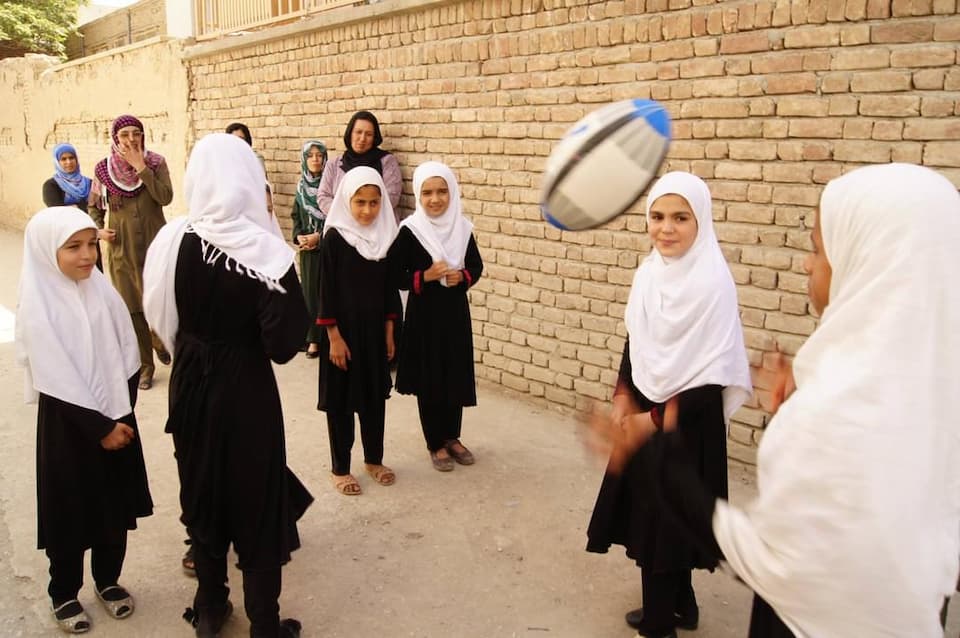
(130, 138)
(315, 161)
(68, 162)
(819, 271)
(672, 225)
(78, 255)
(365, 204)
(361, 138)
(435, 196)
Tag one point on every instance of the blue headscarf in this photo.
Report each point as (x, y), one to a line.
(75, 187)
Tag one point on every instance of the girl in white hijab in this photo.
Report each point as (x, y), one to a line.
(221, 290)
(75, 338)
(358, 307)
(685, 344)
(435, 257)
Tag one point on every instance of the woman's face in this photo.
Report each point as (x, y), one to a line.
(435, 196)
(315, 161)
(239, 133)
(672, 225)
(819, 271)
(68, 162)
(130, 138)
(365, 204)
(361, 139)
(78, 255)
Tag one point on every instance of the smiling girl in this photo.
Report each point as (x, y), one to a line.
(358, 306)
(75, 339)
(685, 344)
(435, 257)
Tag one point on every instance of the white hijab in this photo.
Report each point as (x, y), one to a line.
(856, 528)
(373, 241)
(446, 236)
(682, 315)
(224, 186)
(75, 338)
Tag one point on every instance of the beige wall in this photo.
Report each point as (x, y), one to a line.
(136, 23)
(770, 99)
(46, 103)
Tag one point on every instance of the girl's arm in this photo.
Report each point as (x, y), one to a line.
(158, 184)
(283, 319)
(329, 295)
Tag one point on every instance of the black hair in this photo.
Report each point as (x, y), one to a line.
(238, 126)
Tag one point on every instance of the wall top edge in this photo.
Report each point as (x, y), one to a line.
(334, 18)
(141, 44)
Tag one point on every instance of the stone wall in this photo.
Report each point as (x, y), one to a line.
(770, 100)
(136, 23)
(45, 103)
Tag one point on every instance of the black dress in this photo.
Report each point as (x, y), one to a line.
(356, 295)
(435, 360)
(628, 510)
(85, 494)
(225, 413)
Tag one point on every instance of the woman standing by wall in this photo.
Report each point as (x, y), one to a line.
(362, 140)
(68, 186)
(133, 184)
(308, 222)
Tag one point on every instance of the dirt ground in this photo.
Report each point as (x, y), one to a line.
(489, 551)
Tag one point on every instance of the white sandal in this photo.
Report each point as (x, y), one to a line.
(78, 623)
(120, 608)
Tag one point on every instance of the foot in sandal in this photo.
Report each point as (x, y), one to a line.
(442, 461)
(381, 474)
(116, 600)
(71, 617)
(346, 484)
(459, 452)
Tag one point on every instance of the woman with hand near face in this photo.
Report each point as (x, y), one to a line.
(308, 222)
(133, 184)
(362, 141)
(435, 257)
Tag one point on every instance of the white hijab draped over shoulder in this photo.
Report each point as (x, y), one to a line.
(373, 241)
(226, 198)
(75, 338)
(682, 315)
(856, 528)
(446, 236)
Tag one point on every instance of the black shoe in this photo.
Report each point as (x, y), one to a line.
(688, 621)
(208, 621)
(290, 628)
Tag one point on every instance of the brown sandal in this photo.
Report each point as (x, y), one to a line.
(381, 474)
(459, 452)
(346, 484)
(442, 463)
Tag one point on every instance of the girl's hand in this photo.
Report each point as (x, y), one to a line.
(120, 437)
(783, 381)
(454, 277)
(391, 346)
(436, 271)
(339, 351)
(107, 235)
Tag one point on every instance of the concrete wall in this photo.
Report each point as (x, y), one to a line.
(770, 100)
(46, 103)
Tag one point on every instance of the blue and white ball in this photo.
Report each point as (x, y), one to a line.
(603, 164)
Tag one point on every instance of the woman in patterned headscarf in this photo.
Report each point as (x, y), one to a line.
(134, 185)
(308, 222)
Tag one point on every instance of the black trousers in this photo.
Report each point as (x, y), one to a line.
(665, 593)
(340, 428)
(261, 590)
(66, 567)
(441, 422)
(765, 623)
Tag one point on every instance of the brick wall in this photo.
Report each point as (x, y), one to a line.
(770, 100)
(138, 22)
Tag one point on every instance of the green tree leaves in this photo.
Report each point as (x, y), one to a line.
(39, 26)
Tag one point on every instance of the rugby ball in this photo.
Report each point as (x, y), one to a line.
(603, 164)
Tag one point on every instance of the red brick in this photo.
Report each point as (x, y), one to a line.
(937, 107)
(812, 37)
(929, 79)
(943, 55)
(878, 9)
(791, 83)
(887, 130)
(802, 107)
(947, 30)
(835, 83)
